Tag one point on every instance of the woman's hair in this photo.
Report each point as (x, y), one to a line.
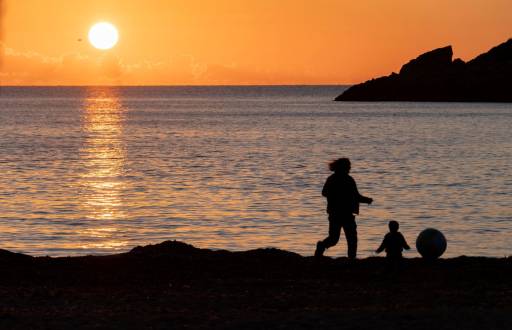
(340, 165)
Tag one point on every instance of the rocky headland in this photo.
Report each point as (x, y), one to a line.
(436, 77)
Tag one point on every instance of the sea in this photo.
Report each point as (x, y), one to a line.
(101, 170)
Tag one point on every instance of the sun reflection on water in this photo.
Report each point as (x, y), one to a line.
(103, 157)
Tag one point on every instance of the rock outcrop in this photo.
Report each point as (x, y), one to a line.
(434, 76)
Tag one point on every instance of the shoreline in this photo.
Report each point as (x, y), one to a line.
(175, 285)
(337, 252)
(340, 254)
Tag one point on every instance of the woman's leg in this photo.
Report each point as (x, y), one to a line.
(349, 227)
(334, 234)
(332, 239)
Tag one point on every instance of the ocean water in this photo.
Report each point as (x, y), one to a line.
(95, 170)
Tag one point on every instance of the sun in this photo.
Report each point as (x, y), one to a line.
(103, 35)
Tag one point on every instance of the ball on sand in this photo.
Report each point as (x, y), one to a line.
(431, 243)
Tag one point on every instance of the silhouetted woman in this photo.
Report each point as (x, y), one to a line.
(343, 200)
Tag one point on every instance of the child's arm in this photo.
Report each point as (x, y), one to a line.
(381, 247)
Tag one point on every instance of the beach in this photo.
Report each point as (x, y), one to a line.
(175, 285)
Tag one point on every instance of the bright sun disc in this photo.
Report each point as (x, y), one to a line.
(103, 35)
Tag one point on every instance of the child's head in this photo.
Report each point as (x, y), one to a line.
(393, 226)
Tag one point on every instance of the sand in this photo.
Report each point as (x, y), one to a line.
(174, 285)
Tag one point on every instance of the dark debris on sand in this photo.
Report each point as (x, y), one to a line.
(174, 285)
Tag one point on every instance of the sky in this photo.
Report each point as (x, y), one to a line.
(238, 42)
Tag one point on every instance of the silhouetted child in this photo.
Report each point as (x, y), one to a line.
(394, 242)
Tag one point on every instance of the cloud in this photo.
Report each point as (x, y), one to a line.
(33, 68)
(234, 74)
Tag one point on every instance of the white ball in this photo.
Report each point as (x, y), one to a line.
(431, 243)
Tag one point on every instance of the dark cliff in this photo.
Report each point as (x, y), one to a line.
(434, 76)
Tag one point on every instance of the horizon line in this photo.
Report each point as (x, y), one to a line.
(219, 85)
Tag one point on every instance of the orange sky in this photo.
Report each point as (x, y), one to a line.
(209, 42)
